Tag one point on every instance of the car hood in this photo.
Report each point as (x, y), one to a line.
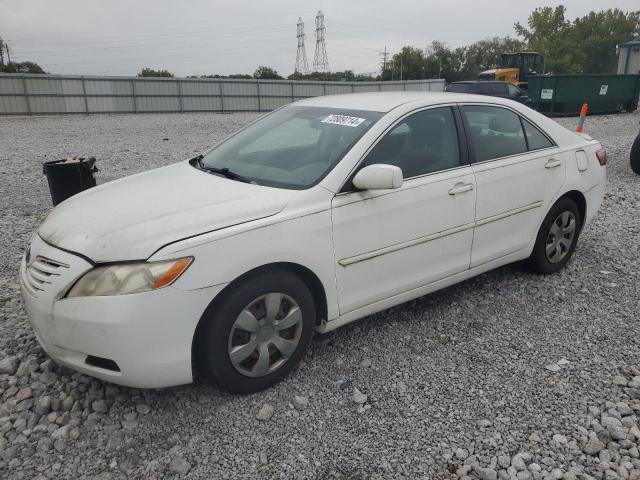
(131, 218)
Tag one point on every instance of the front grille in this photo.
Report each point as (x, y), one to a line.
(41, 273)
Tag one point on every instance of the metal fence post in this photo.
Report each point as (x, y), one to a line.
(324, 88)
(379, 87)
(84, 95)
(293, 98)
(26, 94)
(258, 90)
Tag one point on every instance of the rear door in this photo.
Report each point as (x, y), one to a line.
(518, 171)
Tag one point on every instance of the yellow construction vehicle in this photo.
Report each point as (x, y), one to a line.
(514, 68)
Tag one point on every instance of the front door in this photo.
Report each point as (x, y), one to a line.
(387, 242)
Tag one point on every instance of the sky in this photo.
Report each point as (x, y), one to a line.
(196, 37)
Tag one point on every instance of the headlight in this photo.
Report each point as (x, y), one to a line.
(122, 279)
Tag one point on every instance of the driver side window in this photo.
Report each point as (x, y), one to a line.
(425, 142)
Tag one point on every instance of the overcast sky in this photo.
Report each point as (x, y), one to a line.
(119, 37)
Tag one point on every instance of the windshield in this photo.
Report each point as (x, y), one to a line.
(294, 147)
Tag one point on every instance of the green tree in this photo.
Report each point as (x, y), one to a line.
(409, 64)
(596, 35)
(149, 72)
(485, 54)
(21, 67)
(550, 34)
(266, 73)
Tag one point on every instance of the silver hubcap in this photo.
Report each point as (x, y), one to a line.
(265, 334)
(560, 237)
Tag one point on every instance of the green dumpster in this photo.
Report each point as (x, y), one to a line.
(565, 94)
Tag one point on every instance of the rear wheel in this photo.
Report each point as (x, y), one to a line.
(259, 332)
(557, 237)
(634, 156)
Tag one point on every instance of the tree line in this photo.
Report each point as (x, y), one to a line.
(584, 45)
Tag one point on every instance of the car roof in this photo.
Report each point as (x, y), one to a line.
(387, 101)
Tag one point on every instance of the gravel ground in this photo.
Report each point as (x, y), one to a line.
(509, 375)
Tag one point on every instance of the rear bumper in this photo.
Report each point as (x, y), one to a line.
(148, 335)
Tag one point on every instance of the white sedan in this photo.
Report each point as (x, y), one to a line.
(317, 214)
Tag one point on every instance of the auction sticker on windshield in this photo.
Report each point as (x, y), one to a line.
(345, 120)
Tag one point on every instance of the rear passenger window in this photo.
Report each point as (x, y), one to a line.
(495, 132)
(535, 137)
(422, 143)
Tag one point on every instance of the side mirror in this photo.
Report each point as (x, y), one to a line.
(378, 177)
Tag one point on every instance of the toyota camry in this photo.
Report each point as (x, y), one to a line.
(317, 214)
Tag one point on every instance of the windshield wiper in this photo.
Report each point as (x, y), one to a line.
(225, 172)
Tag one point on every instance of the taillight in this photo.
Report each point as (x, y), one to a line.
(602, 156)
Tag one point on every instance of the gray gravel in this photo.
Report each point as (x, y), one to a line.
(457, 384)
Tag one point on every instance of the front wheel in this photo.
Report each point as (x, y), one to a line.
(557, 237)
(259, 332)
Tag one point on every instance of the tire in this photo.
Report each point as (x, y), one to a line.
(634, 156)
(556, 241)
(246, 332)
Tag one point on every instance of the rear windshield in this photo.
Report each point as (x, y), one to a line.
(459, 88)
(294, 147)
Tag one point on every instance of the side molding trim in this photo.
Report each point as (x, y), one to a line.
(435, 236)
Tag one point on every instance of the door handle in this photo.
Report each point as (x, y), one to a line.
(552, 163)
(461, 188)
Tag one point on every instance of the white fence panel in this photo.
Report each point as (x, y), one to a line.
(241, 104)
(108, 87)
(237, 88)
(149, 87)
(271, 103)
(302, 89)
(111, 104)
(51, 94)
(366, 87)
(280, 89)
(200, 88)
(13, 105)
(158, 104)
(335, 88)
(201, 104)
(11, 85)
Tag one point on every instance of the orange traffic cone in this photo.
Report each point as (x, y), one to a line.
(583, 115)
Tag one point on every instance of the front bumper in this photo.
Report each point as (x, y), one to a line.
(148, 335)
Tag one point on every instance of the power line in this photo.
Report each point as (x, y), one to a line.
(320, 60)
(301, 54)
